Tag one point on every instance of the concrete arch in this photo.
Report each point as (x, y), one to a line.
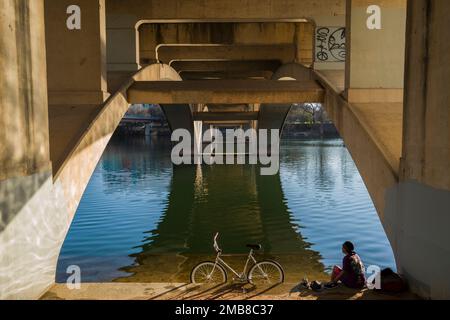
(294, 71)
(94, 140)
(33, 240)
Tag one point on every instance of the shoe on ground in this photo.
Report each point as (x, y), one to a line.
(316, 286)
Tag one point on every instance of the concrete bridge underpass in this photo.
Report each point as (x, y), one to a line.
(64, 93)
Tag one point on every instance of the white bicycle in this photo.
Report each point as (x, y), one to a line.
(261, 273)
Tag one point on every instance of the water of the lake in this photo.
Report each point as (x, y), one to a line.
(143, 220)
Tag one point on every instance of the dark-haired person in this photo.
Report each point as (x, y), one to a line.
(352, 273)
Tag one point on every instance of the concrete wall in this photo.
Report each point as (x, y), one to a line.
(328, 22)
(416, 222)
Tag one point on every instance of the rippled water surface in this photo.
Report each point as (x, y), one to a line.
(141, 219)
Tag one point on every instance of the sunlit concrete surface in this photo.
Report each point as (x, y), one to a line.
(335, 79)
(383, 122)
(184, 291)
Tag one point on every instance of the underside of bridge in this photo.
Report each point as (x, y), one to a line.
(63, 93)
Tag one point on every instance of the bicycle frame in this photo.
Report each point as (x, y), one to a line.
(243, 275)
(219, 261)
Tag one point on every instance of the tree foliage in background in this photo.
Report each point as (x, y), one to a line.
(307, 113)
(145, 110)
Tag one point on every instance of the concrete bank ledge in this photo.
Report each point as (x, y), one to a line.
(230, 291)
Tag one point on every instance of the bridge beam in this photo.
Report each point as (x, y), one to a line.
(225, 66)
(225, 92)
(225, 116)
(375, 58)
(132, 11)
(76, 59)
(229, 107)
(151, 35)
(282, 52)
(125, 17)
(258, 74)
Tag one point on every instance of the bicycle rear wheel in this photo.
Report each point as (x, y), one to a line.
(208, 273)
(266, 273)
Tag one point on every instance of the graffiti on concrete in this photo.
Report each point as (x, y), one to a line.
(330, 44)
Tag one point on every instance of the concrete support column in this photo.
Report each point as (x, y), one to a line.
(76, 59)
(28, 223)
(24, 144)
(122, 53)
(123, 49)
(179, 116)
(426, 146)
(375, 57)
(417, 211)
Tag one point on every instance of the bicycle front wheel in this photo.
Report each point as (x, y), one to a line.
(266, 273)
(208, 273)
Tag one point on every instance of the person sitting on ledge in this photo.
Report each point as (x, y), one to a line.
(352, 273)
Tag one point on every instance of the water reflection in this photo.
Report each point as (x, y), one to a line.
(233, 200)
(141, 219)
(327, 195)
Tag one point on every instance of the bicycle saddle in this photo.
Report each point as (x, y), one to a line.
(254, 246)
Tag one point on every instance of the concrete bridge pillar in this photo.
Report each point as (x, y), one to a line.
(123, 54)
(76, 58)
(418, 209)
(24, 144)
(426, 149)
(375, 57)
(28, 227)
(122, 50)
